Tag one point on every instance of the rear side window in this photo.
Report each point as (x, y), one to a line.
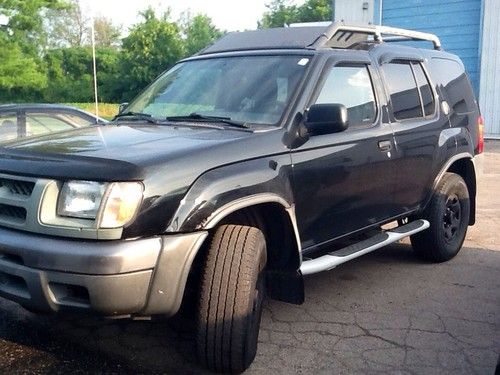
(403, 90)
(352, 87)
(425, 89)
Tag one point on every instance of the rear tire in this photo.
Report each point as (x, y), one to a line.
(232, 292)
(448, 214)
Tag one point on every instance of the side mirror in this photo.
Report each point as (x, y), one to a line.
(122, 107)
(326, 119)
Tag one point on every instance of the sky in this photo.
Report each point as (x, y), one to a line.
(229, 15)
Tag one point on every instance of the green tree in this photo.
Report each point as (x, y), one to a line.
(71, 27)
(199, 32)
(67, 27)
(315, 10)
(107, 34)
(22, 72)
(151, 47)
(18, 70)
(25, 25)
(278, 14)
(285, 12)
(70, 74)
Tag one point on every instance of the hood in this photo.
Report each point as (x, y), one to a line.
(122, 152)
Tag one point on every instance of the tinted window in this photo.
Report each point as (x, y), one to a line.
(403, 90)
(425, 89)
(446, 70)
(352, 87)
(457, 91)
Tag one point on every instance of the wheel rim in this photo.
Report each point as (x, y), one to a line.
(452, 217)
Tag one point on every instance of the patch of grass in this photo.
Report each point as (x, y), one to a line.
(106, 110)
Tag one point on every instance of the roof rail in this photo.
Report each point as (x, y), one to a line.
(341, 35)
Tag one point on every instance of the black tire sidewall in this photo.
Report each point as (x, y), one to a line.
(231, 300)
(254, 319)
(451, 184)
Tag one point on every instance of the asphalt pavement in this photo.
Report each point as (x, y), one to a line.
(387, 312)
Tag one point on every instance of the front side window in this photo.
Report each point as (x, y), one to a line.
(249, 89)
(402, 90)
(352, 87)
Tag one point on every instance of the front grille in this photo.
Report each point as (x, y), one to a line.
(17, 197)
(12, 213)
(16, 187)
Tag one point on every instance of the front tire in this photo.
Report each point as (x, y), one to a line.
(232, 292)
(448, 214)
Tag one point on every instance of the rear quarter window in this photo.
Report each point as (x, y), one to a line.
(453, 82)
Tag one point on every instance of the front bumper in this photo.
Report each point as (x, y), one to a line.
(141, 277)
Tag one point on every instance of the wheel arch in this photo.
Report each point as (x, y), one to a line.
(463, 165)
(276, 218)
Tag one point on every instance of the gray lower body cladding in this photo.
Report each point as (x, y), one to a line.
(143, 276)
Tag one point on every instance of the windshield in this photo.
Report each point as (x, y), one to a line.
(247, 89)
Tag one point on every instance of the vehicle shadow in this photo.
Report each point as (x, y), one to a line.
(86, 344)
(83, 344)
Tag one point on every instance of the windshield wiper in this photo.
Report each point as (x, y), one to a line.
(137, 116)
(206, 118)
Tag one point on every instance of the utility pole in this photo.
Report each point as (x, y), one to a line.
(94, 68)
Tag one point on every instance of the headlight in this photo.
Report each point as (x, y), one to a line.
(122, 201)
(80, 199)
(113, 205)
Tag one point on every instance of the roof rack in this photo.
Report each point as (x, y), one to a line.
(341, 35)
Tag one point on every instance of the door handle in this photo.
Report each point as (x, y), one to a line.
(384, 145)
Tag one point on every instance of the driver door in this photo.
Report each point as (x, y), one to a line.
(343, 181)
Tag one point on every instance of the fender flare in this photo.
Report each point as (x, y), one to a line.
(470, 180)
(250, 201)
(448, 164)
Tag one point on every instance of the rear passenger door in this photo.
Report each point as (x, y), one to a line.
(341, 180)
(417, 125)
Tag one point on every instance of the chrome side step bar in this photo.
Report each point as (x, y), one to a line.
(335, 258)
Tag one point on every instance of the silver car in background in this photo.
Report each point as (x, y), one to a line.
(27, 120)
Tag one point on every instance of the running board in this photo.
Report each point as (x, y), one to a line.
(335, 258)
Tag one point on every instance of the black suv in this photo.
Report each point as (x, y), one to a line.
(270, 155)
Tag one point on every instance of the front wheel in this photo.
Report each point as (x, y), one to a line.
(232, 292)
(448, 214)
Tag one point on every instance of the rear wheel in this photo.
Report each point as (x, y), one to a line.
(232, 292)
(448, 214)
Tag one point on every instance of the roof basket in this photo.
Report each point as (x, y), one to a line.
(341, 35)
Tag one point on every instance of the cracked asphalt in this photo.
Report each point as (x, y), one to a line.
(386, 312)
